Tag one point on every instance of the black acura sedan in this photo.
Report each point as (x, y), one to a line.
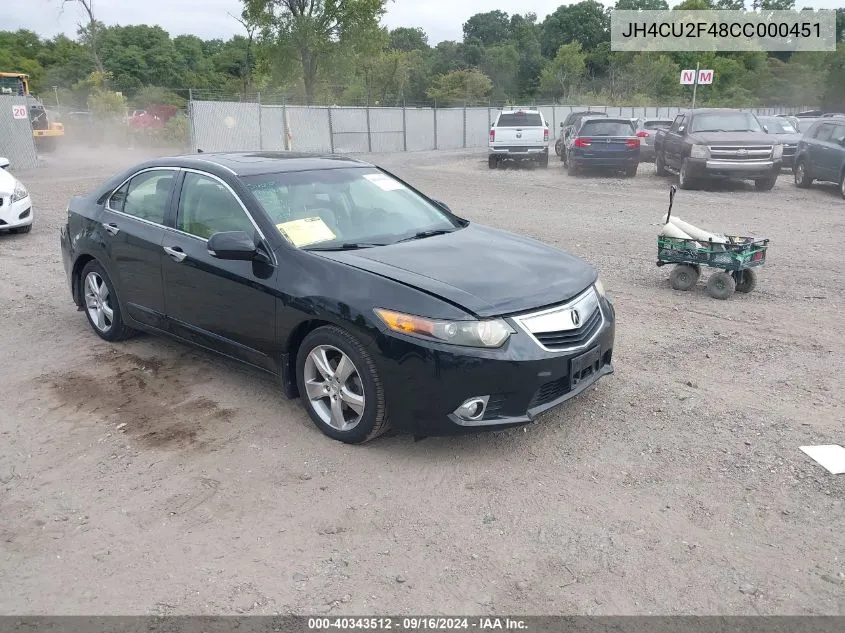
(373, 302)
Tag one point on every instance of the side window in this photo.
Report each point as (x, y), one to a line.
(838, 135)
(207, 207)
(145, 196)
(678, 122)
(824, 132)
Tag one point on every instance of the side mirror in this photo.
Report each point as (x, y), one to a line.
(233, 245)
(766, 129)
(681, 129)
(561, 124)
(4, 163)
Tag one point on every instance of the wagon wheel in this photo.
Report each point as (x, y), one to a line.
(683, 277)
(746, 280)
(721, 285)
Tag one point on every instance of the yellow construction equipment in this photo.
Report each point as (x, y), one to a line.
(44, 131)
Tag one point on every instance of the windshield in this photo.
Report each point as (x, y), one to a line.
(725, 122)
(607, 128)
(345, 208)
(777, 125)
(519, 119)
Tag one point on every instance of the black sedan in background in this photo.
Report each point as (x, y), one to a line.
(786, 134)
(373, 302)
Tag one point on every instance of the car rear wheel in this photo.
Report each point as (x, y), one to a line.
(802, 176)
(572, 168)
(683, 277)
(101, 304)
(659, 165)
(721, 285)
(340, 386)
(631, 171)
(493, 161)
(544, 161)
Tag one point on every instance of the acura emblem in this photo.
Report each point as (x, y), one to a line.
(576, 318)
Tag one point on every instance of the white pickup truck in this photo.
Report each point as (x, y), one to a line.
(519, 135)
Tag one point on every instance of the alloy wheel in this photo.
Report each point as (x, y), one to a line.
(799, 174)
(98, 302)
(334, 387)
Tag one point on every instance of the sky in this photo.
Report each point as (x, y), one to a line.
(440, 19)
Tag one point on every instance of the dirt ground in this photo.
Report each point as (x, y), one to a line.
(149, 478)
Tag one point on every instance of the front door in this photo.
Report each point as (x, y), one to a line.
(226, 305)
(133, 227)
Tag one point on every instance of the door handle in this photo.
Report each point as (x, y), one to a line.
(175, 253)
(111, 227)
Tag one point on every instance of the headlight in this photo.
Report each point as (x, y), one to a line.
(777, 151)
(20, 192)
(488, 333)
(600, 288)
(699, 151)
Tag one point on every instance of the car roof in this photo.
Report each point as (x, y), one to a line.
(255, 163)
(714, 111)
(605, 118)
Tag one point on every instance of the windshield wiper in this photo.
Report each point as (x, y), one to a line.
(346, 246)
(422, 234)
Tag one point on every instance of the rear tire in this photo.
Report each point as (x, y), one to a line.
(746, 280)
(544, 161)
(631, 171)
(683, 277)
(659, 165)
(365, 391)
(721, 285)
(802, 176)
(492, 161)
(842, 185)
(572, 169)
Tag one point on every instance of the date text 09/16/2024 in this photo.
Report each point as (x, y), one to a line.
(417, 624)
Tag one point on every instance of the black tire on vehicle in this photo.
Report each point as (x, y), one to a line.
(544, 160)
(659, 165)
(336, 345)
(557, 148)
(721, 285)
(766, 184)
(21, 229)
(571, 168)
(492, 161)
(631, 171)
(802, 175)
(684, 181)
(683, 277)
(746, 280)
(842, 184)
(99, 297)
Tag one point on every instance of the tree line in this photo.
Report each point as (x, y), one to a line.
(337, 52)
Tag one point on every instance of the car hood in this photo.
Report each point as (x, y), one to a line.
(732, 138)
(791, 139)
(7, 183)
(485, 271)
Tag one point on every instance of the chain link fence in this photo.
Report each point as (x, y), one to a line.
(16, 140)
(253, 125)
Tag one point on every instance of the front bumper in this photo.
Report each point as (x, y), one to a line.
(736, 170)
(425, 382)
(15, 214)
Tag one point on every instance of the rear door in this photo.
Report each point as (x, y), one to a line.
(133, 223)
(608, 140)
(820, 152)
(225, 305)
(834, 152)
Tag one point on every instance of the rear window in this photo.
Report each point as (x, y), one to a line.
(607, 128)
(519, 119)
(656, 125)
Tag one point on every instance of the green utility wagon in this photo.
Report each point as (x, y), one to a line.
(737, 260)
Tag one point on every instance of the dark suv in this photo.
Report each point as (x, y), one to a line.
(821, 154)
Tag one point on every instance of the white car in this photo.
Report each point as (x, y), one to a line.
(15, 204)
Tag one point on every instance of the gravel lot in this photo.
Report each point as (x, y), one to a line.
(148, 478)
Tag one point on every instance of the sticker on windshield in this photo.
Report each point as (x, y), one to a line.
(306, 231)
(384, 182)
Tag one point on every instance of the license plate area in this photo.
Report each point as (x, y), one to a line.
(584, 366)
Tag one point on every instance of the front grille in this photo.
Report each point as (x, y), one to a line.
(550, 392)
(740, 153)
(789, 150)
(572, 338)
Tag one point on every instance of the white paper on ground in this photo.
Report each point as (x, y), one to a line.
(831, 456)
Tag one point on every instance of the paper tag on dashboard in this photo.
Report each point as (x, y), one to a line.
(384, 182)
(306, 231)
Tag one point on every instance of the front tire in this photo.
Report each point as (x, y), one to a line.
(721, 285)
(842, 185)
(684, 180)
(340, 386)
(802, 176)
(766, 184)
(102, 307)
(683, 277)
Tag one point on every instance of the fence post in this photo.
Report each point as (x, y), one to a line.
(435, 123)
(191, 131)
(369, 134)
(285, 141)
(331, 129)
(260, 125)
(404, 129)
(465, 124)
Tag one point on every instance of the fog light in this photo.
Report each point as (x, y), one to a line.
(472, 409)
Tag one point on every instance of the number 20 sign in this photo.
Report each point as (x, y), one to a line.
(19, 111)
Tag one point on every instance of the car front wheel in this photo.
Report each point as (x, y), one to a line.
(101, 304)
(842, 185)
(340, 386)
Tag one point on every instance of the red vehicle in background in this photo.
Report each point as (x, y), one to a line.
(153, 118)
